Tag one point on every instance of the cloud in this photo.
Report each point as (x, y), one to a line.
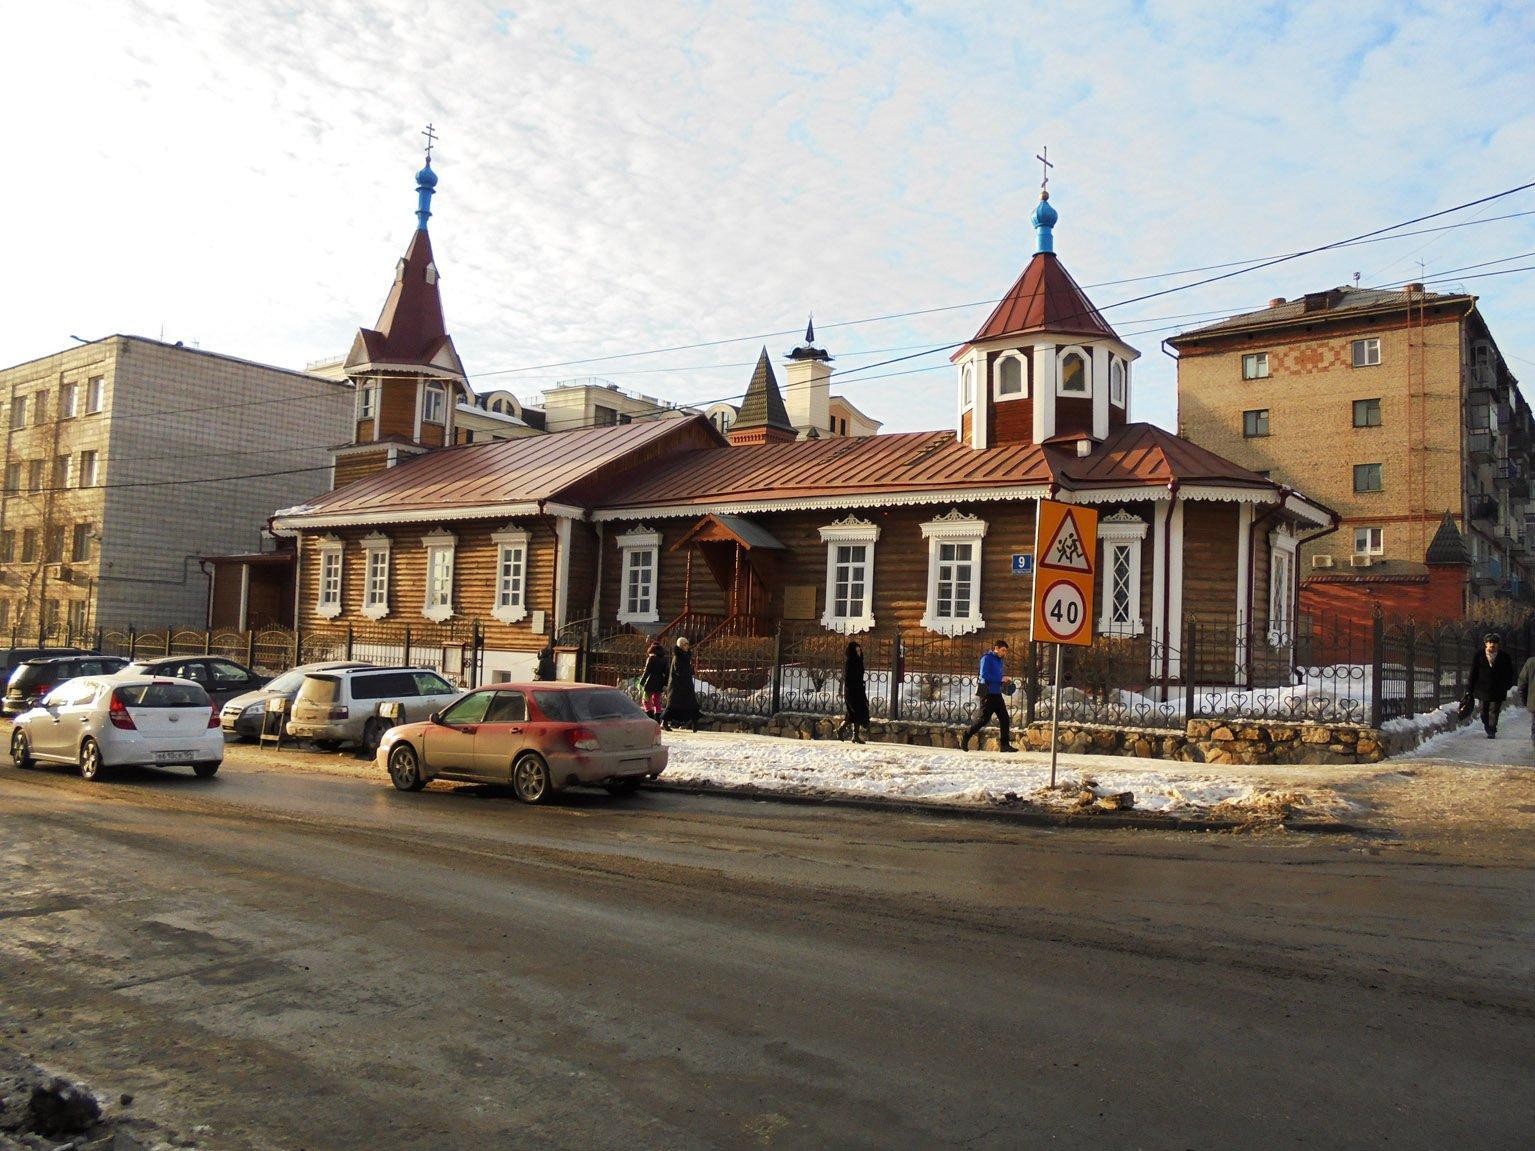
(617, 177)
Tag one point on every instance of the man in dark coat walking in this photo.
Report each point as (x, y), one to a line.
(993, 691)
(1492, 674)
(682, 699)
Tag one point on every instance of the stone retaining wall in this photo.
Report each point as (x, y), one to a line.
(1199, 741)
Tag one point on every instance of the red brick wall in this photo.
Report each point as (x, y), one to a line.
(1440, 596)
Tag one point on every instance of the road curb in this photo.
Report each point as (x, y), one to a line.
(1028, 816)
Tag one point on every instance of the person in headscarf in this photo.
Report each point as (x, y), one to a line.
(855, 695)
(681, 698)
(653, 680)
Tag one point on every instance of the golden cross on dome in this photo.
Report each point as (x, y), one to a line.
(431, 139)
(1044, 158)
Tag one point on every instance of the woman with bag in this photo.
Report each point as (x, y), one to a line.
(855, 695)
(681, 699)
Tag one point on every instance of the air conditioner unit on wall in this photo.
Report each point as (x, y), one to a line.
(1321, 561)
(1361, 561)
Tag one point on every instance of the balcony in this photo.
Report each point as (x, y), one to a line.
(1479, 446)
(1484, 508)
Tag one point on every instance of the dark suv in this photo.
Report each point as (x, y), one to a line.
(222, 679)
(37, 677)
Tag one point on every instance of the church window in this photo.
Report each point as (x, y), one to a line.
(1117, 383)
(954, 573)
(375, 594)
(966, 388)
(511, 574)
(1073, 375)
(435, 406)
(849, 574)
(328, 602)
(1120, 536)
(1012, 377)
(439, 546)
(637, 602)
(1281, 588)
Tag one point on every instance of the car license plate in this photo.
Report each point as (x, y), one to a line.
(173, 757)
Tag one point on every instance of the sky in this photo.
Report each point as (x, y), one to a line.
(620, 178)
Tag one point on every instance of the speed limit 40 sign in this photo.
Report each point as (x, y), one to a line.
(1066, 547)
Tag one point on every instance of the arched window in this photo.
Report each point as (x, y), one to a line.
(1012, 381)
(966, 388)
(1117, 383)
(1073, 375)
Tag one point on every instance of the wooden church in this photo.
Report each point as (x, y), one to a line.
(666, 527)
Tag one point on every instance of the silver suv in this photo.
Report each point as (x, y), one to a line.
(342, 705)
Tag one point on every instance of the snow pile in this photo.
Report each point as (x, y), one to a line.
(804, 767)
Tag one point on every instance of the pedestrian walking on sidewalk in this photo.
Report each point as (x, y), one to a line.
(1525, 687)
(993, 691)
(1492, 674)
(855, 695)
(681, 699)
(653, 679)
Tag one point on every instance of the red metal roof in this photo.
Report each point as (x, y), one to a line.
(523, 470)
(1045, 299)
(410, 329)
(1147, 454)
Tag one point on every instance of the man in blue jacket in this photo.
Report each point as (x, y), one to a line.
(993, 701)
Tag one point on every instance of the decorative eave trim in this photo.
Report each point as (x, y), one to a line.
(954, 525)
(376, 541)
(359, 369)
(825, 503)
(850, 529)
(640, 536)
(295, 520)
(441, 538)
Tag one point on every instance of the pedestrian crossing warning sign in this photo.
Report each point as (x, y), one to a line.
(1063, 579)
(1067, 550)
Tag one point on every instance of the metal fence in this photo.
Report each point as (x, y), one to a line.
(1324, 670)
(455, 651)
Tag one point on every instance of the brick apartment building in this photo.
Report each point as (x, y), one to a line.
(1395, 408)
(119, 455)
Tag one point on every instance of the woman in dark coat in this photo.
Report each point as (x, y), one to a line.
(1492, 674)
(681, 699)
(855, 695)
(653, 680)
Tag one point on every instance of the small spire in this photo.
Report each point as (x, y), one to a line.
(810, 330)
(426, 182)
(808, 350)
(1045, 216)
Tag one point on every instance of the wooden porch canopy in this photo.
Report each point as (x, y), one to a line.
(742, 556)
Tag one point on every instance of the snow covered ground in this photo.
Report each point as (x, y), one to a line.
(898, 771)
(1469, 746)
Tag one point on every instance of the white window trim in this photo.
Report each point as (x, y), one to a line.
(1087, 372)
(1119, 381)
(1282, 546)
(1365, 342)
(966, 387)
(1259, 375)
(330, 546)
(374, 544)
(851, 530)
(996, 377)
(1367, 550)
(367, 400)
(1121, 530)
(426, 396)
(95, 389)
(640, 539)
(513, 609)
(953, 528)
(436, 543)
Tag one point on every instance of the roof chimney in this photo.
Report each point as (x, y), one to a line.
(1414, 289)
(1276, 301)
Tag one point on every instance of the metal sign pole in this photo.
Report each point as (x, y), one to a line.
(1055, 714)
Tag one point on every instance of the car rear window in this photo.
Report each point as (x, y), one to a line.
(163, 695)
(582, 706)
(319, 689)
(30, 674)
(385, 685)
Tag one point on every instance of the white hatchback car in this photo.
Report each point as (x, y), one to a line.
(97, 722)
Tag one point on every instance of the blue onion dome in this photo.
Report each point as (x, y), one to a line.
(1044, 219)
(426, 177)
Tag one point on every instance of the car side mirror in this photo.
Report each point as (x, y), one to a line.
(435, 717)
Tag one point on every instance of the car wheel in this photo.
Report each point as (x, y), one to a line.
(372, 736)
(21, 750)
(624, 786)
(405, 768)
(205, 770)
(530, 778)
(90, 760)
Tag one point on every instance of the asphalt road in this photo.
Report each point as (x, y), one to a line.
(301, 961)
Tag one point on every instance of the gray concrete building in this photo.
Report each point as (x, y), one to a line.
(128, 459)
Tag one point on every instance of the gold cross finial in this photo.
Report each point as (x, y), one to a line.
(1044, 158)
